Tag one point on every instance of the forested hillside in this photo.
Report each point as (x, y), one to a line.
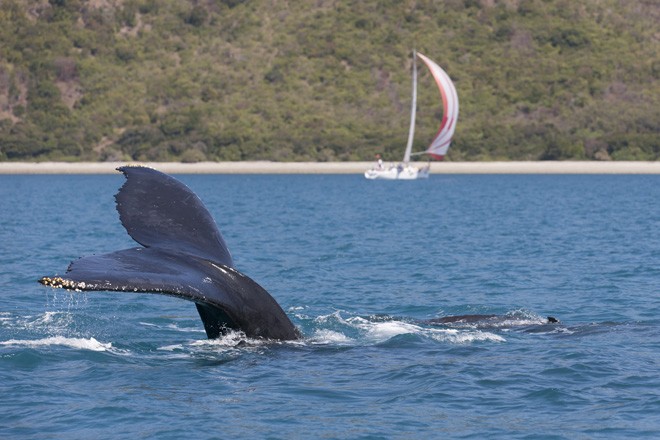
(326, 79)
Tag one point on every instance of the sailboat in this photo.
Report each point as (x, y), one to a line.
(440, 143)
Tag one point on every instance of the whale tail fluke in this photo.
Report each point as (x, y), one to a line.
(183, 255)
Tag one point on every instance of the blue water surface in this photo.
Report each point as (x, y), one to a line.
(359, 266)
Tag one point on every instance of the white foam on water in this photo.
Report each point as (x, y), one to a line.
(332, 317)
(176, 351)
(173, 326)
(171, 347)
(77, 343)
(382, 331)
(521, 322)
(230, 340)
(563, 331)
(463, 336)
(330, 337)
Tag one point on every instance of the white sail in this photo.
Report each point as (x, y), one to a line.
(413, 111)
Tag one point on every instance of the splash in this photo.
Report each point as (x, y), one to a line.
(51, 322)
(231, 339)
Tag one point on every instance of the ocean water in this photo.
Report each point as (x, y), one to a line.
(359, 266)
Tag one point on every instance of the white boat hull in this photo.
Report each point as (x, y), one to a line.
(397, 173)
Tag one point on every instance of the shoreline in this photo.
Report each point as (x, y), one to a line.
(266, 167)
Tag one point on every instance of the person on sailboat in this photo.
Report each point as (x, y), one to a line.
(379, 162)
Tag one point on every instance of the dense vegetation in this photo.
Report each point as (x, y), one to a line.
(326, 79)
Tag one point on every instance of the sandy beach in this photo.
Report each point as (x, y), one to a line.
(265, 167)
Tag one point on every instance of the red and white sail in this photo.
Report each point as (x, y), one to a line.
(442, 139)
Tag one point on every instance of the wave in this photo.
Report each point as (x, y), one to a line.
(76, 343)
(51, 329)
(335, 329)
(339, 329)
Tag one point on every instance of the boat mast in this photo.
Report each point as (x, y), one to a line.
(413, 109)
